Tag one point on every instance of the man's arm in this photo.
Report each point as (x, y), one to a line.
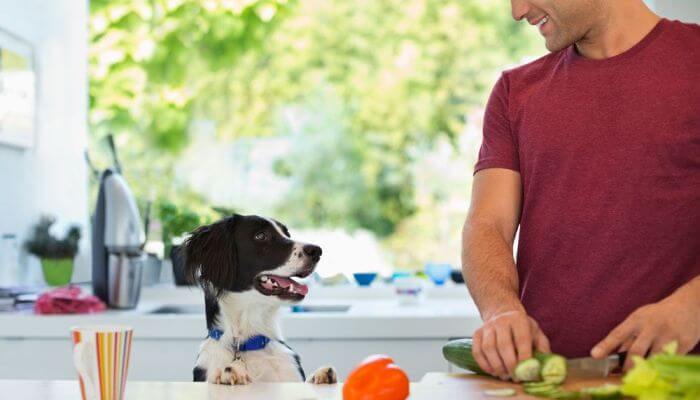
(651, 327)
(508, 334)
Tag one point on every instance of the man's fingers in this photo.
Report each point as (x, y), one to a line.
(614, 339)
(626, 345)
(541, 341)
(478, 352)
(490, 349)
(658, 345)
(522, 336)
(506, 348)
(640, 348)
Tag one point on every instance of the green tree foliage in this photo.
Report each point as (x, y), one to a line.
(155, 65)
(380, 82)
(360, 87)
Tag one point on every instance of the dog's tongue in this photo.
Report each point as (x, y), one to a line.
(289, 284)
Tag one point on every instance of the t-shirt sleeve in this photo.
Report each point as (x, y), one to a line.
(499, 148)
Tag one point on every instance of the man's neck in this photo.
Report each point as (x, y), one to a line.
(625, 23)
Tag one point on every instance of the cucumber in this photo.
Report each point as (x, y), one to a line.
(528, 370)
(459, 353)
(537, 389)
(604, 392)
(508, 392)
(553, 367)
(549, 390)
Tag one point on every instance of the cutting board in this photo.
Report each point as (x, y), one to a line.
(474, 385)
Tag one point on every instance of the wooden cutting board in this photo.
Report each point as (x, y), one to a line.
(474, 385)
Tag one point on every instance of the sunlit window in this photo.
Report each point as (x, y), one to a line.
(356, 123)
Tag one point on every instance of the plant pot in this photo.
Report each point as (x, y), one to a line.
(57, 271)
(178, 261)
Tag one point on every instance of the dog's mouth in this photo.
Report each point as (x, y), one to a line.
(283, 287)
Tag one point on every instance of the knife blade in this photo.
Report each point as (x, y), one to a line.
(589, 367)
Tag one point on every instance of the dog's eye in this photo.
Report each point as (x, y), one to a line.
(261, 236)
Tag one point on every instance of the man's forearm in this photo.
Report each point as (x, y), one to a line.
(489, 269)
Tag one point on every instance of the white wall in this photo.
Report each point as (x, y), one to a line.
(51, 176)
(684, 10)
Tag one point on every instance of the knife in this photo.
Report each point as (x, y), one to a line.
(589, 367)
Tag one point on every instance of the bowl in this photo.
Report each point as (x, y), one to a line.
(399, 274)
(364, 278)
(456, 276)
(438, 273)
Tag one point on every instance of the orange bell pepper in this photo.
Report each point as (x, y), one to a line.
(376, 378)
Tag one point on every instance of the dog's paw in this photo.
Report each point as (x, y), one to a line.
(234, 374)
(323, 375)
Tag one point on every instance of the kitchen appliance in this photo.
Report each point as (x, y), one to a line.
(117, 241)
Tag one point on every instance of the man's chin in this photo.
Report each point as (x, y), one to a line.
(553, 44)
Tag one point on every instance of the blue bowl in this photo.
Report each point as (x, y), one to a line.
(364, 278)
(399, 274)
(438, 273)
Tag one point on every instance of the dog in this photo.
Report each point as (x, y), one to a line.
(246, 266)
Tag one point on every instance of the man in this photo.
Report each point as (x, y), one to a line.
(594, 151)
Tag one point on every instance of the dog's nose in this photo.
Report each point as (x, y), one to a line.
(312, 251)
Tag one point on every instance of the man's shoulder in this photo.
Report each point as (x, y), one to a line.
(533, 71)
(685, 28)
(685, 33)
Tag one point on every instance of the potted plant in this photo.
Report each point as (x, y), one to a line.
(56, 254)
(176, 222)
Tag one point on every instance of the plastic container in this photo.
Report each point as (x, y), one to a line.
(409, 290)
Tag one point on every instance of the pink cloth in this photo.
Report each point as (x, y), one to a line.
(68, 300)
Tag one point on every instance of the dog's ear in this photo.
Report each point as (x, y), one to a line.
(211, 256)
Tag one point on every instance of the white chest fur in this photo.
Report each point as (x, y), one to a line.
(243, 315)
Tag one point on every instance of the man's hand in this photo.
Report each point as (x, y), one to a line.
(506, 339)
(651, 327)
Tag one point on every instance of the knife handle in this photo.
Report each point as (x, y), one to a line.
(621, 357)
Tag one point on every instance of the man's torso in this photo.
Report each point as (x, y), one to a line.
(609, 155)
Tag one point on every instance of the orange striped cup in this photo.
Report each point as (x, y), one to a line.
(101, 357)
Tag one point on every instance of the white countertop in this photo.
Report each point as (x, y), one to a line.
(433, 387)
(373, 313)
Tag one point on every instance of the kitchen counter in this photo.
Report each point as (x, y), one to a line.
(372, 313)
(166, 345)
(435, 386)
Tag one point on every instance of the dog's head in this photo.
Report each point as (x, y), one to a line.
(247, 252)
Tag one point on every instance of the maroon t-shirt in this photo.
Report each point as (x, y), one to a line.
(609, 156)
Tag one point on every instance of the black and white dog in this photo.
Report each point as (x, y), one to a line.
(246, 266)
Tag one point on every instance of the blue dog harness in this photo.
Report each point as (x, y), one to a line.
(257, 342)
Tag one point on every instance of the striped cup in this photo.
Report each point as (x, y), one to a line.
(101, 357)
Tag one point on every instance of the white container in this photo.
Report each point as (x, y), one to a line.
(409, 290)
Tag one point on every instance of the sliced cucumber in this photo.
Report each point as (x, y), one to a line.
(527, 370)
(539, 387)
(507, 392)
(605, 392)
(551, 391)
(564, 394)
(553, 367)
